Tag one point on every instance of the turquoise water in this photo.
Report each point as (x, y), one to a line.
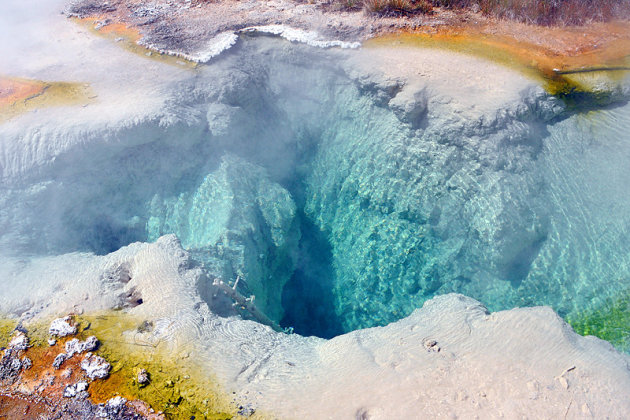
(338, 215)
(375, 217)
(541, 221)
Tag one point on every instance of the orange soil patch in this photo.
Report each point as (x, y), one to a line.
(17, 406)
(13, 90)
(18, 95)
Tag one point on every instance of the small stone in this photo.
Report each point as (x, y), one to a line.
(143, 377)
(82, 386)
(19, 341)
(82, 395)
(78, 390)
(67, 373)
(61, 357)
(27, 363)
(61, 327)
(101, 412)
(115, 405)
(15, 364)
(70, 391)
(75, 346)
(117, 401)
(52, 341)
(431, 345)
(95, 366)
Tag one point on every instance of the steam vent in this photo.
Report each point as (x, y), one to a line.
(314, 210)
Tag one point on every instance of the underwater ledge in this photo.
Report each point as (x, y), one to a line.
(86, 252)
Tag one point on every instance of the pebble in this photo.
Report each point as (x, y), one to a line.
(61, 327)
(19, 341)
(61, 357)
(114, 406)
(77, 390)
(143, 377)
(431, 345)
(75, 346)
(27, 363)
(16, 364)
(95, 366)
(116, 401)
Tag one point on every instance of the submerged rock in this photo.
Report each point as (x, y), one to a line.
(237, 222)
(143, 377)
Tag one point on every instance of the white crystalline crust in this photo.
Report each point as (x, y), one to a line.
(226, 40)
(116, 401)
(298, 35)
(213, 48)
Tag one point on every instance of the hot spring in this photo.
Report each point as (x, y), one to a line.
(343, 201)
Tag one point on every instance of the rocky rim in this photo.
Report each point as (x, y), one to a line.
(186, 27)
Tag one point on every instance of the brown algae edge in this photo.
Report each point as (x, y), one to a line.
(129, 38)
(179, 386)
